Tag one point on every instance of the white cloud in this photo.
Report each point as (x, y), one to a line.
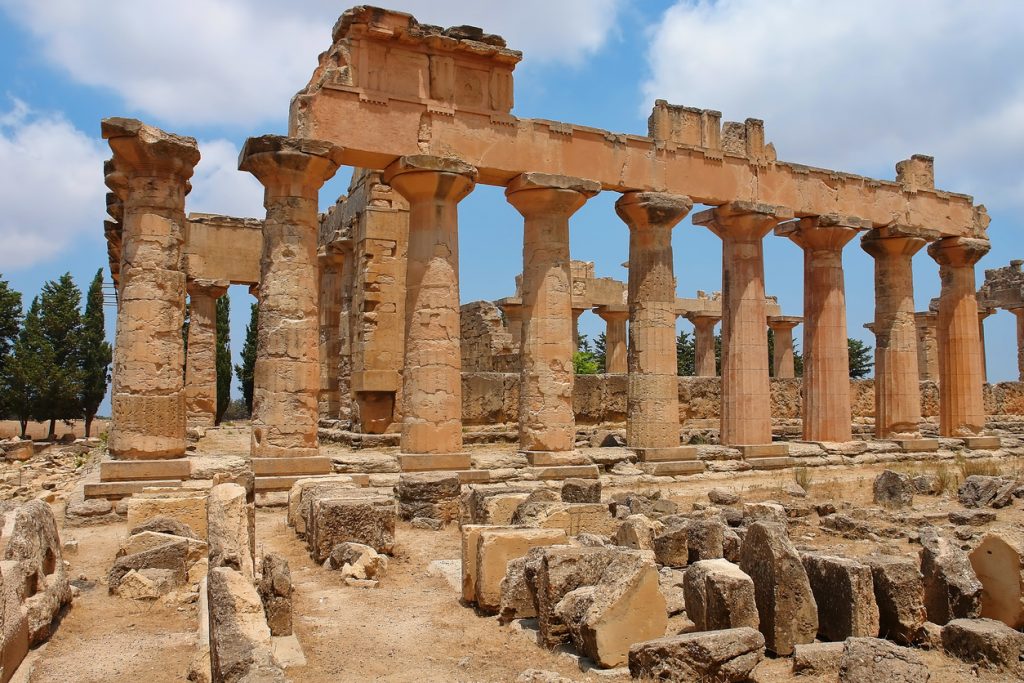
(219, 187)
(859, 86)
(51, 186)
(238, 62)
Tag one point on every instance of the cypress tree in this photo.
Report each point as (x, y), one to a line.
(223, 356)
(60, 321)
(27, 368)
(10, 324)
(95, 352)
(246, 370)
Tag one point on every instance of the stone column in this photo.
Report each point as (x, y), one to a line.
(826, 382)
(652, 395)
(782, 348)
(897, 372)
(746, 396)
(982, 314)
(961, 405)
(927, 346)
(546, 202)
(513, 311)
(201, 358)
(147, 396)
(1019, 314)
(704, 343)
(615, 318)
(286, 383)
(432, 373)
(331, 260)
(576, 313)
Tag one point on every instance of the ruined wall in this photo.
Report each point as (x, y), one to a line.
(487, 344)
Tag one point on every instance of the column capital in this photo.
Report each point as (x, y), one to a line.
(536, 194)
(612, 312)
(116, 180)
(783, 322)
(959, 252)
(203, 287)
(830, 232)
(141, 150)
(745, 221)
(418, 177)
(646, 210)
(892, 241)
(290, 167)
(511, 307)
(698, 318)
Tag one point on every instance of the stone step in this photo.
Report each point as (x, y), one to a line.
(982, 443)
(671, 469)
(917, 445)
(426, 462)
(288, 466)
(771, 463)
(285, 482)
(139, 470)
(564, 472)
(555, 459)
(765, 450)
(676, 454)
(122, 489)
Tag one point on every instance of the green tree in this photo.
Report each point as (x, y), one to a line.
(223, 356)
(246, 370)
(60, 397)
(600, 352)
(10, 324)
(583, 361)
(27, 368)
(686, 358)
(94, 352)
(861, 360)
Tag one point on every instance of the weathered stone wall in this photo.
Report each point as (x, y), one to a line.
(487, 344)
(492, 397)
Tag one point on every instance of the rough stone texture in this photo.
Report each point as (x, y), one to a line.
(844, 592)
(720, 496)
(785, 603)
(370, 521)
(172, 556)
(231, 532)
(555, 572)
(434, 495)
(517, 600)
(764, 512)
(637, 532)
(983, 491)
(186, 506)
(893, 490)
(671, 546)
(201, 361)
(705, 539)
(487, 344)
(972, 517)
(871, 659)
(275, 589)
(998, 562)
(719, 595)
(899, 594)
(164, 525)
(358, 561)
(302, 493)
(147, 540)
(581, 491)
(495, 548)
(726, 656)
(240, 646)
(927, 484)
(818, 659)
(985, 641)
(951, 589)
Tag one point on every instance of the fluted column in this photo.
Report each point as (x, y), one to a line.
(615, 318)
(432, 373)
(704, 361)
(546, 202)
(826, 380)
(147, 395)
(1019, 314)
(961, 405)
(332, 258)
(746, 397)
(201, 356)
(897, 372)
(927, 346)
(782, 347)
(286, 383)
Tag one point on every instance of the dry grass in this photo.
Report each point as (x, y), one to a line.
(802, 477)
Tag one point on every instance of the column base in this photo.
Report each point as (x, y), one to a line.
(982, 443)
(115, 490)
(427, 462)
(667, 454)
(918, 445)
(145, 470)
(554, 458)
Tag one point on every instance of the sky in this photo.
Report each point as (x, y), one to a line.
(849, 86)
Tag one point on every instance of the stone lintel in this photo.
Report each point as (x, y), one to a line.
(212, 288)
(140, 470)
(547, 181)
(424, 462)
(218, 220)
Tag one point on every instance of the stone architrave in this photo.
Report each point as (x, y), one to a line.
(927, 346)
(782, 350)
(431, 375)
(151, 170)
(961, 404)
(201, 356)
(897, 368)
(546, 202)
(746, 401)
(704, 343)
(615, 318)
(826, 391)
(286, 383)
(652, 394)
(332, 262)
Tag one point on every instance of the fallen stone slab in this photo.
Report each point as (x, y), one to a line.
(495, 549)
(870, 659)
(979, 490)
(893, 490)
(434, 495)
(951, 589)
(818, 659)
(728, 656)
(581, 491)
(844, 592)
(275, 591)
(637, 532)
(556, 571)
(231, 532)
(147, 540)
(671, 546)
(719, 595)
(972, 517)
(899, 594)
(988, 642)
(240, 641)
(998, 562)
(358, 561)
(164, 525)
(303, 491)
(705, 539)
(187, 506)
(370, 521)
(786, 606)
(172, 556)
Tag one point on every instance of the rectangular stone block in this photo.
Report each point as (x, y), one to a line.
(844, 592)
(470, 536)
(675, 454)
(580, 518)
(551, 459)
(917, 445)
(370, 521)
(982, 443)
(183, 505)
(473, 476)
(303, 491)
(290, 466)
(770, 463)
(149, 470)
(114, 490)
(423, 462)
(670, 469)
(495, 548)
(564, 472)
(766, 450)
(285, 483)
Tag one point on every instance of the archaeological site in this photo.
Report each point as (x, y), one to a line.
(430, 489)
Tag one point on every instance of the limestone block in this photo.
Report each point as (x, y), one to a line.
(240, 645)
(172, 556)
(517, 599)
(671, 546)
(275, 590)
(358, 561)
(972, 517)
(893, 489)
(871, 659)
(844, 592)
(495, 549)
(147, 540)
(998, 562)
(987, 642)
(573, 518)
(554, 573)
(136, 586)
(230, 530)
(705, 540)
(624, 607)
(303, 492)
(951, 589)
(479, 508)
(785, 603)
(983, 491)
(18, 451)
(434, 495)
(581, 491)
(184, 505)
(719, 595)
(637, 533)
(731, 544)
(899, 594)
(818, 659)
(720, 496)
(164, 525)
(671, 583)
(728, 656)
(764, 512)
(368, 520)
(470, 538)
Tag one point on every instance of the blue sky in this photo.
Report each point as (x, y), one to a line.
(849, 87)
